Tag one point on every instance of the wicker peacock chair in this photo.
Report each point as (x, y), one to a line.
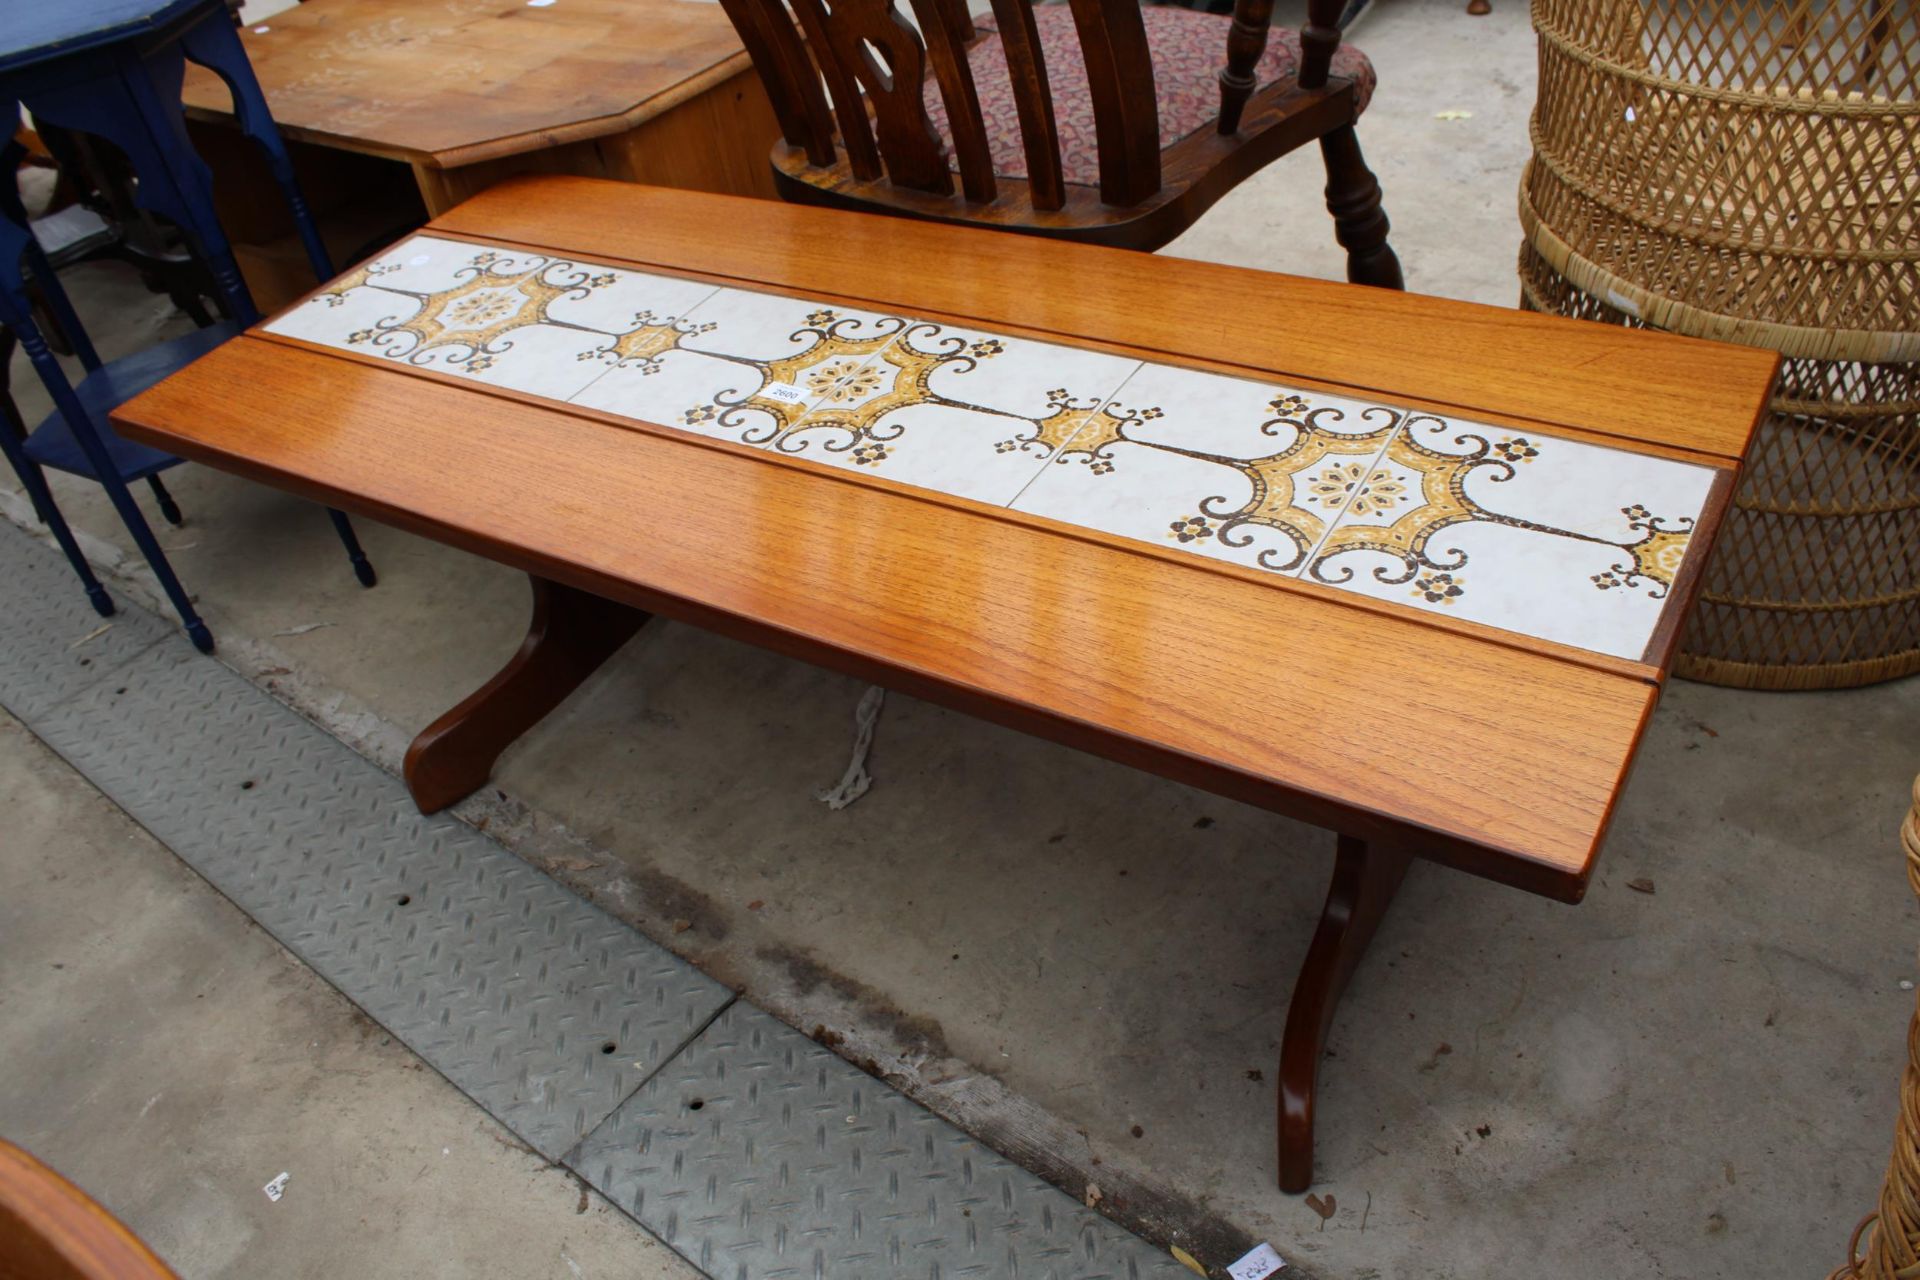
(1747, 170)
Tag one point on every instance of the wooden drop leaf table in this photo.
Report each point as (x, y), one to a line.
(1406, 568)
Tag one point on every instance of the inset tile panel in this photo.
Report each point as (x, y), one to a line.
(741, 366)
(961, 411)
(1531, 533)
(545, 326)
(1527, 532)
(1231, 468)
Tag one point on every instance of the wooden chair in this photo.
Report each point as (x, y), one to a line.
(1096, 120)
(51, 1230)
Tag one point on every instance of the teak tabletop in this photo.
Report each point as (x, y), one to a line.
(448, 83)
(1407, 568)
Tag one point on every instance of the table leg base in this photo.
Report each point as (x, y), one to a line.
(1365, 879)
(572, 633)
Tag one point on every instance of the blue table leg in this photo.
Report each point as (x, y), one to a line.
(16, 318)
(362, 567)
(216, 46)
(168, 507)
(138, 108)
(34, 481)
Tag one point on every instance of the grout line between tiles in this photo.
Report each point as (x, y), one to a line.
(772, 443)
(1333, 525)
(612, 368)
(1066, 445)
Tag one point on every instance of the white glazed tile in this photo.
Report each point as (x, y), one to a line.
(355, 301)
(631, 300)
(332, 317)
(464, 309)
(688, 390)
(433, 264)
(1531, 533)
(960, 411)
(743, 366)
(1239, 470)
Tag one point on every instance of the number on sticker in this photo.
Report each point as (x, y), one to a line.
(1262, 1262)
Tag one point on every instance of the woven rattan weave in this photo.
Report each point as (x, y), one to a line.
(1886, 1245)
(1749, 170)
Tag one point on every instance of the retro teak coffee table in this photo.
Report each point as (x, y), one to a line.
(1409, 569)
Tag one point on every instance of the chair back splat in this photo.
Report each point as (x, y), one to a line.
(1100, 120)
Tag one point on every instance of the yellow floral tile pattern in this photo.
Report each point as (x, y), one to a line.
(1546, 536)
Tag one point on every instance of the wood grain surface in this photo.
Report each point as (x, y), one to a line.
(1492, 757)
(1620, 383)
(455, 82)
(1489, 751)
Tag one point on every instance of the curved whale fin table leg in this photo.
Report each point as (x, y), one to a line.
(1365, 878)
(572, 633)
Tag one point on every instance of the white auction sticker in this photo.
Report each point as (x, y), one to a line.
(784, 392)
(1263, 1261)
(277, 1188)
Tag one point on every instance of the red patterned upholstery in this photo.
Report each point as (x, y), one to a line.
(1188, 49)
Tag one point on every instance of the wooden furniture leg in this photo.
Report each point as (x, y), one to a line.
(1364, 881)
(571, 634)
(1359, 223)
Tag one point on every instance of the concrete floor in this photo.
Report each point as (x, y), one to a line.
(1061, 954)
(168, 1056)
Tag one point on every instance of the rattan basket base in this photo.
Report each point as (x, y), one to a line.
(1815, 581)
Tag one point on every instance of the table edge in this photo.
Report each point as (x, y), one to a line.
(479, 152)
(1561, 880)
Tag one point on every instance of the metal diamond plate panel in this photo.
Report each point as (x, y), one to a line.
(751, 1150)
(52, 643)
(759, 1155)
(541, 1007)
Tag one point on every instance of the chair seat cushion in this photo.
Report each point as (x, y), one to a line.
(1188, 50)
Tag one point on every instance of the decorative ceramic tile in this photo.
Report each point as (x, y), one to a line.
(1244, 471)
(742, 366)
(962, 411)
(1531, 533)
(1519, 530)
(522, 320)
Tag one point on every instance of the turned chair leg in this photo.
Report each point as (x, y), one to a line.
(1359, 223)
(1365, 878)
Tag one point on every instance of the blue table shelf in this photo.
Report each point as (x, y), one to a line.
(53, 444)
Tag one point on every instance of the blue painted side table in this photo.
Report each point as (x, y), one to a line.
(113, 69)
